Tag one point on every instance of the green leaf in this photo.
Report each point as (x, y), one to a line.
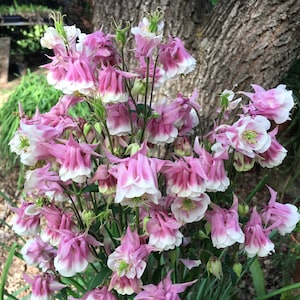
(98, 279)
(258, 278)
(6, 268)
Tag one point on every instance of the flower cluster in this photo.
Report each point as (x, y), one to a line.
(111, 194)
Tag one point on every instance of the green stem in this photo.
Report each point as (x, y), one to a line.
(137, 219)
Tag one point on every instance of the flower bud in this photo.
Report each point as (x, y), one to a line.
(243, 209)
(214, 266)
(88, 217)
(139, 88)
(237, 269)
(242, 163)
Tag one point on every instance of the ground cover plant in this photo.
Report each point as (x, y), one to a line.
(133, 200)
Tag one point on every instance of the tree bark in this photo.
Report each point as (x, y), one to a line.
(240, 42)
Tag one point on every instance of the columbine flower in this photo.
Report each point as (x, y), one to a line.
(27, 219)
(136, 179)
(75, 159)
(283, 217)
(225, 228)
(111, 85)
(164, 290)
(160, 129)
(257, 241)
(106, 182)
(124, 285)
(43, 181)
(100, 293)
(129, 258)
(275, 154)
(56, 220)
(43, 286)
(249, 135)
(175, 59)
(188, 210)
(37, 252)
(275, 104)
(119, 120)
(163, 230)
(148, 35)
(73, 253)
(185, 177)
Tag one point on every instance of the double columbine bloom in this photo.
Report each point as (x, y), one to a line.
(126, 193)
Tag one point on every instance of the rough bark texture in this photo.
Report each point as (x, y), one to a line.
(240, 42)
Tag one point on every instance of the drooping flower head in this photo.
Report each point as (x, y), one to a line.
(275, 104)
(283, 217)
(148, 34)
(225, 228)
(175, 59)
(257, 241)
(99, 293)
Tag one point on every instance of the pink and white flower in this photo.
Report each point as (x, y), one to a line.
(73, 253)
(44, 286)
(124, 285)
(26, 221)
(257, 241)
(164, 290)
(175, 59)
(74, 158)
(129, 258)
(283, 217)
(136, 178)
(147, 36)
(275, 104)
(189, 210)
(36, 252)
(225, 228)
(163, 230)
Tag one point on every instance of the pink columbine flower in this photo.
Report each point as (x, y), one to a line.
(164, 290)
(29, 141)
(52, 40)
(100, 48)
(124, 285)
(26, 222)
(147, 37)
(72, 73)
(43, 181)
(249, 135)
(185, 177)
(275, 154)
(175, 59)
(74, 158)
(129, 258)
(99, 293)
(119, 120)
(163, 230)
(136, 178)
(189, 210)
(106, 182)
(190, 263)
(283, 217)
(36, 252)
(257, 240)
(74, 253)
(43, 286)
(56, 220)
(225, 228)
(275, 104)
(161, 129)
(111, 84)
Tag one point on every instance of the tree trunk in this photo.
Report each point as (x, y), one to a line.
(240, 42)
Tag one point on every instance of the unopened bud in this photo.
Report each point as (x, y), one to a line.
(237, 269)
(214, 266)
(243, 209)
(88, 217)
(139, 88)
